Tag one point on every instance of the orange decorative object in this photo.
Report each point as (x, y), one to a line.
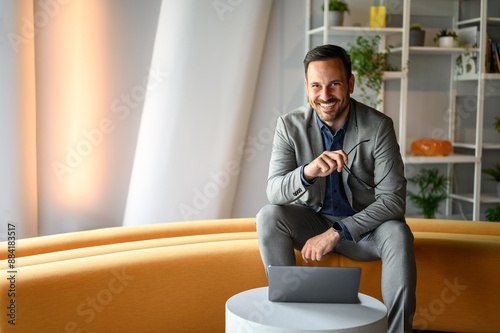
(431, 147)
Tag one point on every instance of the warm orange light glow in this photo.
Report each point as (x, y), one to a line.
(26, 133)
(80, 85)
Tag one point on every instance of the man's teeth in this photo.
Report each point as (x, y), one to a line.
(327, 105)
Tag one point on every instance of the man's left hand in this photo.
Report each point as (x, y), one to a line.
(317, 247)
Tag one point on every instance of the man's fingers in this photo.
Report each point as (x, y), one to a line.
(338, 159)
(309, 253)
(326, 164)
(304, 255)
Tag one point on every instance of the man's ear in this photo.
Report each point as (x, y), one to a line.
(351, 83)
(305, 82)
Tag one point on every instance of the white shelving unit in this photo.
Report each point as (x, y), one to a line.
(469, 152)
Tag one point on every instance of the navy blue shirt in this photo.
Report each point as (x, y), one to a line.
(336, 202)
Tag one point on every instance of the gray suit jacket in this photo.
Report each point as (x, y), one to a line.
(298, 141)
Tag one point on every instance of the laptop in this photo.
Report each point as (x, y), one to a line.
(306, 284)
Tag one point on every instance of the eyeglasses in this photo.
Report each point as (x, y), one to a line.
(361, 181)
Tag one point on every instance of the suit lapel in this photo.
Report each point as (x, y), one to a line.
(350, 140)
(317, 146)
(314, 133)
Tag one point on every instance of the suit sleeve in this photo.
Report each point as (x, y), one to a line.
(390, 194)
(284, 184)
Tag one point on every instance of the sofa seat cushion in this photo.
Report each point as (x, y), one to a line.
(79, 239)
(91, 251)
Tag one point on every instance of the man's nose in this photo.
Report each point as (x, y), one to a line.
(325, 94)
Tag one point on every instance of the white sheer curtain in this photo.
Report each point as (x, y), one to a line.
(124, 111)
(192, 131)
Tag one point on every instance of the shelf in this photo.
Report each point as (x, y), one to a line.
(467, 77)
(491, 76)
(493, 20)
(452, 158)
(469, 197)
(475, 77)
(491, 145)
(486, 145)
(469, 21)
(349, 31)
(439, 50)
(387, 75)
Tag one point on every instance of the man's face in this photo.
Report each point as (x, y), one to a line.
(328, 90)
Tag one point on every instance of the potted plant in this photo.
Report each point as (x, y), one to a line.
(336, 9)
(417, 35)
(495, 173)
(446, 38)
(431, 191)
(493, 214)
(497, 124)
(370, 65)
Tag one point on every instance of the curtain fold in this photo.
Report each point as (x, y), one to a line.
(193, 129)
(18, 167)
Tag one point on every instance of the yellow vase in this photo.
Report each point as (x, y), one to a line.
(377, 16)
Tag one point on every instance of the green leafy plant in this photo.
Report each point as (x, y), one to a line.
(494, 172)
(415, 26)
(493, 214)
(431, 191)
(370, 65)
(497, 124)
(446, 33)
(337, 5)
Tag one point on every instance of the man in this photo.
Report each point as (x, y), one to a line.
(336, 184)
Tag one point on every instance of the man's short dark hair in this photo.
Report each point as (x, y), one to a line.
(328, 52)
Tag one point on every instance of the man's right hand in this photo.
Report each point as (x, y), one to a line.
(325, 164)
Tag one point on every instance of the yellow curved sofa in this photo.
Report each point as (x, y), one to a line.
(176, 277)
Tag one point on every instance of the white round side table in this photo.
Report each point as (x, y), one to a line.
(251, 311)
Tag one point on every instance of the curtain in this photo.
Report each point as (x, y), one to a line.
(18, 167)
(189, 150)
(124, 112)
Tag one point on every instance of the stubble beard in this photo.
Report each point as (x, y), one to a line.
(329, 117)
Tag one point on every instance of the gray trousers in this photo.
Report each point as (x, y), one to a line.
(281, 229)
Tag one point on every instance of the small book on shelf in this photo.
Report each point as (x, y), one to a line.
(495, 61)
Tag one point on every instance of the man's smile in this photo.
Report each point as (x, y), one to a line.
(327, 106)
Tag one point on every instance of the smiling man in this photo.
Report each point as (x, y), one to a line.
(336, 184)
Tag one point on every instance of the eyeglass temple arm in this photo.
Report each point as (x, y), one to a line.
(357, 144)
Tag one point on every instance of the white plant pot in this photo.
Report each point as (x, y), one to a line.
(335, 18)
(447, 41)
